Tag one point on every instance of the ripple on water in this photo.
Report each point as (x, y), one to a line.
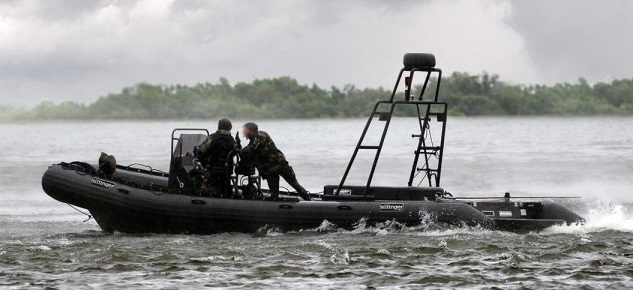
(381, 256)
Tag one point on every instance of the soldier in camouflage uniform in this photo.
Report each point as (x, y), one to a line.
(269, 161)
(213, 154)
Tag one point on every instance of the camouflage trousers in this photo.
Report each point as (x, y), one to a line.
(289, 175)
(216, 184)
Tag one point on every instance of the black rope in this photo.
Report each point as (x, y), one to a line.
(89, 216)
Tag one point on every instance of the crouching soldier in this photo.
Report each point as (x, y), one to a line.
(269, 161)
(215, 156)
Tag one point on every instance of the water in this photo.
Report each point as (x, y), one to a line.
(46, 244)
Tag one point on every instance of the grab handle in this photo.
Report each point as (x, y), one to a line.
(132, 166)
(285, 206)
(198, 201)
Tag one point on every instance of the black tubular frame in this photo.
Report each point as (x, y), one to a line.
(433, 175)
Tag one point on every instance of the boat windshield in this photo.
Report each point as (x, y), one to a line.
(186, 143)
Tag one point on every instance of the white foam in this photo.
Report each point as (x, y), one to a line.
(64, 241)
(326, 226)
(602, 216)
(43, 248)
(274, 232)
(340, 258)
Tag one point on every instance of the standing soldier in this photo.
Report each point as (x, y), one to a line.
(269, 161)
(214, 155)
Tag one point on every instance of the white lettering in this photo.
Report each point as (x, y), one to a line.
(343, 192)
(102, 183)
(391, 206)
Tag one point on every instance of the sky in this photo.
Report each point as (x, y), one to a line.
(77, 50)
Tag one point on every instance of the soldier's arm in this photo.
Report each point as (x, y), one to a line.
(246, 150)
(249, 149)
(202, 151)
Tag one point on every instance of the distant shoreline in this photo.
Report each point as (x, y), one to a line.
(238, 121)
(285, 98)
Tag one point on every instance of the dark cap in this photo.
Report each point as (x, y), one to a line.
(251, 126)
(224, 124)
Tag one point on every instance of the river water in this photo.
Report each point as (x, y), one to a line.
(46, 244)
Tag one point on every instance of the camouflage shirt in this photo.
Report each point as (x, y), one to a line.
(214, 151)
(263, 154)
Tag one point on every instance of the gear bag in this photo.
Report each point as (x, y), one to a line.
(107, 164)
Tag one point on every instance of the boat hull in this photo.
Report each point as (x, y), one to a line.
(125, 208)
(523, 216)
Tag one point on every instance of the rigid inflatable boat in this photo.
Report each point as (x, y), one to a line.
(140, 199)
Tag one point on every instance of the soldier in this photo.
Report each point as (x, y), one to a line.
(214, 154)
(269, 161)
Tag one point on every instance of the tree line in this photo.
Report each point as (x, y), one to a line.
(284, 97)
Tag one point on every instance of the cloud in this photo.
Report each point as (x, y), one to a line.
(570, 39)
(79, 50)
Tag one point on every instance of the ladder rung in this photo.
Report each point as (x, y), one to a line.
(424, 149)
(368, 147)
(430, 170)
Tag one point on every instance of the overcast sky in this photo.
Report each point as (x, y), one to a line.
(79, 50)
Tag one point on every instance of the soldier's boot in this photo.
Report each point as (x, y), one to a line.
(305, 195)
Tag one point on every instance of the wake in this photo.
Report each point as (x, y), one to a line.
(601, 216)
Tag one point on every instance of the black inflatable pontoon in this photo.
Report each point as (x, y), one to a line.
(139, 199)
